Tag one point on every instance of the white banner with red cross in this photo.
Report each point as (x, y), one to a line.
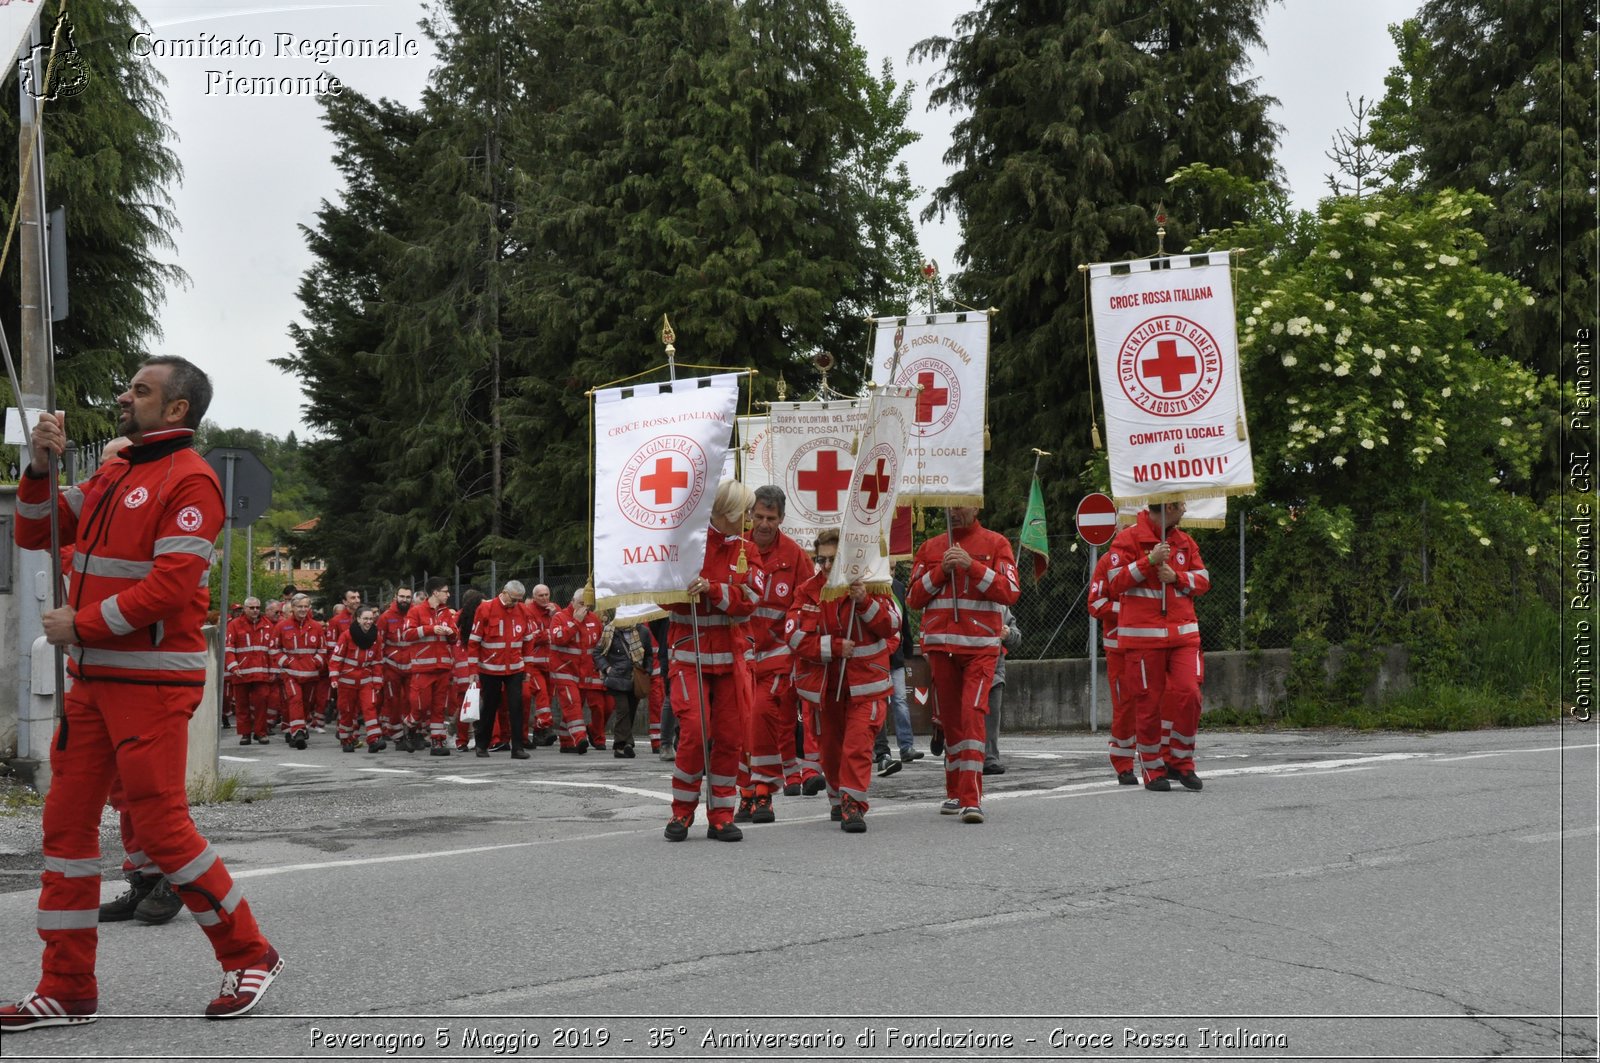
(658, 450)
(812, 446)
(947, 357)
(875, 483)
(755, 445)
(1169, 379)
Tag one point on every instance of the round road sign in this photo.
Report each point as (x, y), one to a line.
(1096, 519)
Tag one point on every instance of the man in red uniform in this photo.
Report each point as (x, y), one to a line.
(773, 715)
(497, 656)
(841, 648)
(1157, 576)
(540, 687)
(300, 649)
(248, 668)
(132, 630)
(272, 613)
(710, 677)
(428, 632)
(962, 581)
(1106, 609)
(571, 638)
(396, 657)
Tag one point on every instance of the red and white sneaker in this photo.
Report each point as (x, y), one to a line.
(242, 989)
(34, 1010)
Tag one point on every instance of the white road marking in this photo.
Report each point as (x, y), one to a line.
(463, 780)
(237, 760)
(389, 771)
(636, 791)
(297, 764)
(1560, 835)
(1335, 771)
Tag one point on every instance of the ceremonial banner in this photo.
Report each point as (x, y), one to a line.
(1035, 536)
(658, 449)
(1197, 513)
(864, 539)
(755, 441)
(639, 613)
(947, 355)
(1169, 379)
(810, 444)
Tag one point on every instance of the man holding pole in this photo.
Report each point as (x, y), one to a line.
(132, 630)
(1156, 577)
(962, 581)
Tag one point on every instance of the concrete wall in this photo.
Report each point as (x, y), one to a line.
(1054, 695)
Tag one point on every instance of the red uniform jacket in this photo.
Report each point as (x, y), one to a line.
(430, 650)
(721, 610)
(785, 567)
(142, 550)
(1133, 581)
(354, 667)
(538, 635)
(501, 635)
(300, 649)
(246, 647)
(815, 629)
(979, 595)
(1102, 606)
(390, 622)
(570, 642)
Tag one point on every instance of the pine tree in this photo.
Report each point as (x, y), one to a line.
(1074, 114)
(109, 161)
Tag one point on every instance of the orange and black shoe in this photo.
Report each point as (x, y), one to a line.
(677, 829)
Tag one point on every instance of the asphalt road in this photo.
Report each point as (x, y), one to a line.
(1328, 895)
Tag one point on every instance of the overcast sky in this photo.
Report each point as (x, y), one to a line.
(256, 168)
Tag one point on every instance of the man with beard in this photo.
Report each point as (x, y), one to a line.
(357, 674)
(775, 710)
(428, 632)
(396, 657)
(133, 633)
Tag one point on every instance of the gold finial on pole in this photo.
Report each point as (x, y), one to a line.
(1161, 230)
(668, 339)
(824, 362)
(783, 388)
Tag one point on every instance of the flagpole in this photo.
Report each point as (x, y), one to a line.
(668, 340)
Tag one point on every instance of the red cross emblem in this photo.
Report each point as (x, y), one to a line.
(1168, 365)
(874, 484)
(930, 398)
(664, 481)
(826, 480)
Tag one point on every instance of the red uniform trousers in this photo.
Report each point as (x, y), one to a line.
(540, 697)
(597, 708)
(430, 703)
(727, 721)
(251, 704)
(1123, 726)
(849, 727)
(396, 702)
(275, 703)
(140, 733)
(134, 858)
(1165, 687)
(570, 700)
(961, 685)
(658, 697)
(301, 706)
(771, 713)
(358, 708)
(797, 744)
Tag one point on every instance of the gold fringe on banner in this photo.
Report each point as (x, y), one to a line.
(1184, 496)
(642, 618)
(831, 594)
(936, 501)
(643, 597)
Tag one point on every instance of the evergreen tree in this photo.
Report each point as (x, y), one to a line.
(1074, 114)
(1498, 96)
(109, 162)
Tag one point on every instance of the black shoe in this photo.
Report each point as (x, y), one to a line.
(1188, 779)
(852, 820)
(159, 906)
(745, 810)
(677, 828)
(1160, 785)
(439, 750)
(519, 754)
(1126, 778)
(300, 742)
(244, 740)
(936, 743)
(888, 767)
(600, 744)
(482, 752)
(761, 809)
(814, 785)
(909, 755)
(728, 832)
(546, 737)
(383, 743)
(374, 747)
(628, 753)
(994, 768)
(836, 814)
(619, 753)
(122, 909)
(500, 747)
(347, 747)
(582, 747)
(791, 789)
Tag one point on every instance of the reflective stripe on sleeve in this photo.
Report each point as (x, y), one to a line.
(185, 544)
(111, 613)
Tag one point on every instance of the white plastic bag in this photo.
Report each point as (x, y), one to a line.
(469, 704)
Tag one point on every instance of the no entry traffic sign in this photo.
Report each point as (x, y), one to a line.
(1096, 519)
